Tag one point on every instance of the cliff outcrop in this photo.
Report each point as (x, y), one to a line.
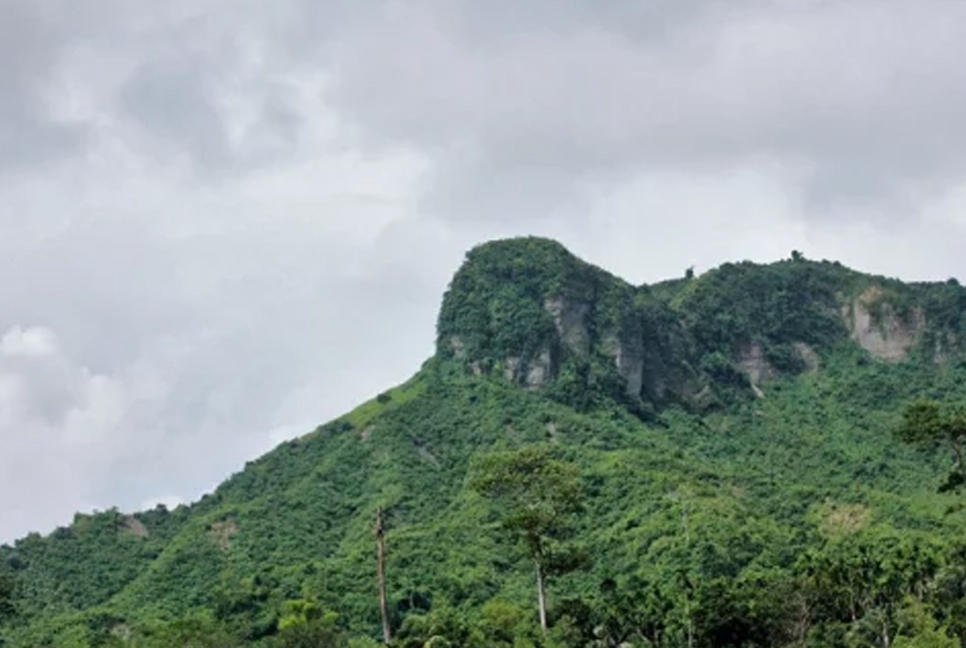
(533, 313)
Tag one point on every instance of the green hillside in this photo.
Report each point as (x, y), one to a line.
(741, 482)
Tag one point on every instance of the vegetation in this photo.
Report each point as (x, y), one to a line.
(925, 423)
(801, 507)
(536, 493)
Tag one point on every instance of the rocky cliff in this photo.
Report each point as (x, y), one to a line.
(528, 310)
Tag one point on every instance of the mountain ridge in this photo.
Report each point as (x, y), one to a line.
(754, 400)
(528, 308)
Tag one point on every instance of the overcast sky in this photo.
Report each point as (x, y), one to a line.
(223, 222)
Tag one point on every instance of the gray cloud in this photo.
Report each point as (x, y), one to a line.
(864, 98)
(225, 221)
(174, 104)
(29, 49)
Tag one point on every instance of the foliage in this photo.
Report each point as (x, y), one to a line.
(790, 518)
(8, 595)
(495, 303)
(924, 423)
(536, 494)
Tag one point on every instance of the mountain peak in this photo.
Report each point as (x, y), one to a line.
(763, 482)
(529, 310)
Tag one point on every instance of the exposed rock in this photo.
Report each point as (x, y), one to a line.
(752, 361)
(540, 370)
(534, 373)
(629, 356)
(552, 435)
(570, 318)
(943, 347)
(511, 369)
(808, 356)
(134, 526)
(459, 349)
(890, 338)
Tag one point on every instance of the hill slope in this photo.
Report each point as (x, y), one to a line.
(729, 429)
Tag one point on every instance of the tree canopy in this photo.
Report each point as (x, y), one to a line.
(720, 445)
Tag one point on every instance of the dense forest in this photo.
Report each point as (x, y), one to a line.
(760, 455)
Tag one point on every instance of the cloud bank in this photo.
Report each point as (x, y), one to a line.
(227, 221)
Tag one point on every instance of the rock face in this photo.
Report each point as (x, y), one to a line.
(533, 372)
(628, 355)
(534, 314)
(878, 328)
(570, 317)
(537, 312)
(540, 370)
(808, 356)
(753, 362)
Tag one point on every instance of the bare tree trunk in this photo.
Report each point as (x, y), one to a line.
(381, 570)
(541, 596)
(803, 622)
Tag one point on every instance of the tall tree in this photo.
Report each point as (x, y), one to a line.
(925, 423)
(536, 494)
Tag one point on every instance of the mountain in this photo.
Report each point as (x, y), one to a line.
(741, 481)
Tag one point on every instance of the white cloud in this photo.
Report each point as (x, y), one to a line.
(30, 341)
(223, 224)
(56, 418)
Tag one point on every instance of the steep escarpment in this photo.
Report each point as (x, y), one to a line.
(530, 311)
(892, 320)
